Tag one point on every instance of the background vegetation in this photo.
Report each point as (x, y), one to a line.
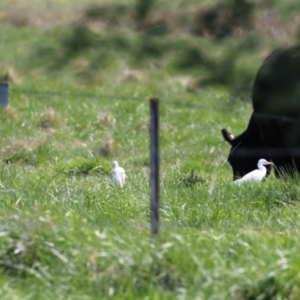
(81, 73)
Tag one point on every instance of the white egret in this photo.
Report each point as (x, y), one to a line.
(256, 175)
(118, 174)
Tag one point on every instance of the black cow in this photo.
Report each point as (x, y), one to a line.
(273, 131)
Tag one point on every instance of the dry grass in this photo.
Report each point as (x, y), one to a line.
(40, 14)
(51, 119)
(9, 113)
(23, 151)
(9, 74)
(106, 119)
(166, 16)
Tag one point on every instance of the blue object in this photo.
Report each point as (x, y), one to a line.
(4, 90)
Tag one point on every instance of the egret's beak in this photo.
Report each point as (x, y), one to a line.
(270, 163)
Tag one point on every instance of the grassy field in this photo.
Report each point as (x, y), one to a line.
(67, 232)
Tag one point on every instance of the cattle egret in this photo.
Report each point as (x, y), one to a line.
(256, 175)
(118, 174)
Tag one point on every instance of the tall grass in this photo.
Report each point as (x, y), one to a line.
(67, 232)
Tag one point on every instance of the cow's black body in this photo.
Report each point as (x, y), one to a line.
(273, 131)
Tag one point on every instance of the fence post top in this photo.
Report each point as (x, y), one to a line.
(154, 100)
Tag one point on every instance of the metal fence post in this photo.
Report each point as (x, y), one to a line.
(4, 90)
(154, 165)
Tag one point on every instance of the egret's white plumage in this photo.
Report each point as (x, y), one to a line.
(118, 174)
(256, 175)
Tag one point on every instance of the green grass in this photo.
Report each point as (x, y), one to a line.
(67, 232)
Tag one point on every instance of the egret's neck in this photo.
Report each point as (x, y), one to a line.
(115, 165)
(262, 168)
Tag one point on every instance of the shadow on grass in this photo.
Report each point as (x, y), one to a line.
(266, 289)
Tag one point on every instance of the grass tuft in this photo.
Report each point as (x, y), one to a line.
(192, 179)
(51, 119)
(80, 166)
